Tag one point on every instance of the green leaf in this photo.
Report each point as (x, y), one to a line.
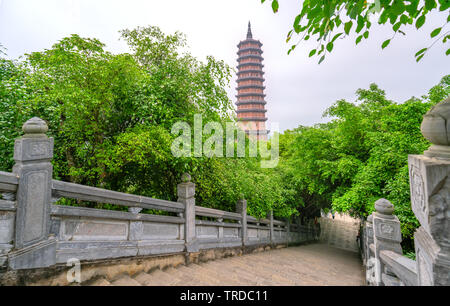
(347, 27)
(447, 52)
(360, 24)
(321, 59)
(385, 43)
(420, 21)
(366, 34)
(292, 48)
(421, 51)
(313, 51)
(336, 37)
(358, 39)
(330, 46)
(419, 58)
(430, 4)
(275, 6)
(435, 32)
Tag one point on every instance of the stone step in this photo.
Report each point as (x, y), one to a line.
(100, 282)
(192, 277)
(125, 280)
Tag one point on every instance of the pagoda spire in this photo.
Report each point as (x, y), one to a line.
(249, 31)
(251, 112)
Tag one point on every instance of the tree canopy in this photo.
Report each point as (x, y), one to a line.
(359, 156)
(329, 20)
(111, 117)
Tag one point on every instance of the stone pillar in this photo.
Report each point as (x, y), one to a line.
(387, 235)
(241, 208)
(186, 195)
(288, 230)
(33, 153)
(368, 237)
(272, 236)
(429, 176)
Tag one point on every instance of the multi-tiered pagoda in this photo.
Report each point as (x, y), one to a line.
(251, 112)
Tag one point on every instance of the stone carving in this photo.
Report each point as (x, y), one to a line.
(439, 213)
(134, 210)
(9, 196)
(417, 188)
(386, 229)
(425, 275)
(38, 149)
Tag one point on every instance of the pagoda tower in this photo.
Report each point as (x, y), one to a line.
(251, 112)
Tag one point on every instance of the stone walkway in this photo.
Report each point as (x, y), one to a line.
(314, 264)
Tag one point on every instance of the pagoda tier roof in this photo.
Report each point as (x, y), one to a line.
(250, 56)
(262, 102)
(250, 86)
(249, 64)
(251, 78)
(250, 71)
(249, 49)
(249, 41)
(252, 119)
(250, 94)
(251, 110)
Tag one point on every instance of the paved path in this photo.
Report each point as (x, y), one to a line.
(314, 264)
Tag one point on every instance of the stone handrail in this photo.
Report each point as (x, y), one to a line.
(404, 268)
(37, 230)
(8, 182)
(99, 195)
(382, 253)
(429, 176)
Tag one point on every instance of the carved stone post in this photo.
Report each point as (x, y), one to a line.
(288, 230)
(241, 207)
(272, 234)
(33, 153)
(186, 195)
(368, 237)
(429, 176)
(387, 235)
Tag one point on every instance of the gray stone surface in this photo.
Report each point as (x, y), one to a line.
(38, 255)
(186, 196)
(430, 200)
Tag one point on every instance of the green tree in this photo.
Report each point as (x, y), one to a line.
(329, 20)
(111, 117)
(359, 156)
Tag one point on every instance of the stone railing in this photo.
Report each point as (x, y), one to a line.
(36, 231)
(429, 176)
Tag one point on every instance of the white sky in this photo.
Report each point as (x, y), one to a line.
(298, 90)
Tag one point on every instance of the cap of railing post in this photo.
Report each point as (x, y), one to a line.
(387, 235)
(429, 176)
(186, 195)
(33, 153)
(241, 208)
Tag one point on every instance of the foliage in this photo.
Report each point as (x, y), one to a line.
(111, 117)
(328, 20)
(360, 155)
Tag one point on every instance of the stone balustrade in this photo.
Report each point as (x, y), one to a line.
(429, 176)
(37, 231)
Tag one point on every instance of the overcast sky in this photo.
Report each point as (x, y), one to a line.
(298, 89)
